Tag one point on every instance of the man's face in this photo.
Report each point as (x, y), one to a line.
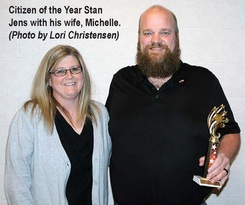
(157, 31)
(158, 53)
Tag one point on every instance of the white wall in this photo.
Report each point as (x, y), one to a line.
(211, 34)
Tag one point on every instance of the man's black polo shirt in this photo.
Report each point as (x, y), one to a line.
(158, 136)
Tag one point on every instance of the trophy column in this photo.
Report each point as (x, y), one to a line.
(211, 154)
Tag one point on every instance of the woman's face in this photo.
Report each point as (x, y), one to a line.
(67, 88)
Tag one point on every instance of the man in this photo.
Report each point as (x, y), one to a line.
(158, 111)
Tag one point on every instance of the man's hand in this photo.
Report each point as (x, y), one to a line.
(220, 169)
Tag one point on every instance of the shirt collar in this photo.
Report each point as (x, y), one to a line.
(179, 78)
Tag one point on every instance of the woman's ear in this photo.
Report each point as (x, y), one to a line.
(49, 82)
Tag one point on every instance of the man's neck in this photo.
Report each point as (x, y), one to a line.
(158, 82)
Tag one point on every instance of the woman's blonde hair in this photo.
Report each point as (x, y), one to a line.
(42, 93)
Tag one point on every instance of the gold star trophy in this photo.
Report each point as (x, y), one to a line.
(216, 119)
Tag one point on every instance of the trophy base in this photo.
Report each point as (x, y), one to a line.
(205, 182)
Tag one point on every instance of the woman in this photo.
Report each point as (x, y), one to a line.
(58, 146)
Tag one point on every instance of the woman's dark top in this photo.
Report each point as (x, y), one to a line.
(79, 149)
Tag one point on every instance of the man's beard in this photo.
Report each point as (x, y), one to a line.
(159, 65)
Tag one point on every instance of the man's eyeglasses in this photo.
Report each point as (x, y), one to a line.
(59, 72)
